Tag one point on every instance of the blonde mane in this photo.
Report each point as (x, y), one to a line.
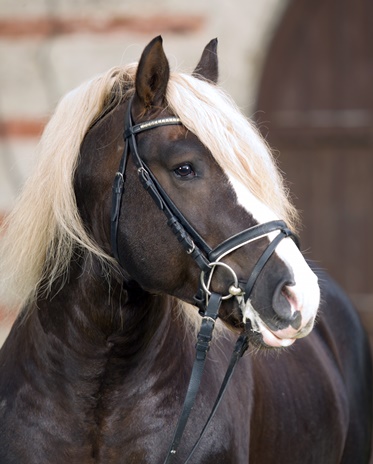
(236, 145)
(40, 236)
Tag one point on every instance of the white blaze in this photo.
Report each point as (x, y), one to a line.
(306, 291)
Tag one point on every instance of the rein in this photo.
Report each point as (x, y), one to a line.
(207, 260)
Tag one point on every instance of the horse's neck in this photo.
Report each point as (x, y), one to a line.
(90, 330)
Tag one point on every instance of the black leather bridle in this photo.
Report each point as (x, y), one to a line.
(207, 260)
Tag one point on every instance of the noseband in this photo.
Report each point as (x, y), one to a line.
(207, 260)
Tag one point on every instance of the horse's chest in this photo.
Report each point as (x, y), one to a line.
(147, 427)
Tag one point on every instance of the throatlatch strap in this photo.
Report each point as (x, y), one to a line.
(118, 190)
(202, 347)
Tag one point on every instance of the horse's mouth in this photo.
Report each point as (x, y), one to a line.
(270, 339)
(260, 334)
(243, 317)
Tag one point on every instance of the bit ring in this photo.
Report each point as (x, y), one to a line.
(233, 289)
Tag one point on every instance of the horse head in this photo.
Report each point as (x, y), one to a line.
(216, 173)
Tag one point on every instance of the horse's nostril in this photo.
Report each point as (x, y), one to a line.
(282, 305)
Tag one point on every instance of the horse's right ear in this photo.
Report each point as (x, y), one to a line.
(152, 76)
(208, 66)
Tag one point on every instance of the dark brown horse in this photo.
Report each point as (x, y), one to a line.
(97, 365)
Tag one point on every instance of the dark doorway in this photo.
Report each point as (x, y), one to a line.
(315, 107)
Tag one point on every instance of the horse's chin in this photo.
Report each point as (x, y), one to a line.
(260, 336)
(263, 343)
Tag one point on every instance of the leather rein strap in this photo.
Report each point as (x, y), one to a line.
(203, 344)
(207, 260)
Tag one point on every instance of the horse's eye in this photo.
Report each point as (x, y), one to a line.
(185, 170)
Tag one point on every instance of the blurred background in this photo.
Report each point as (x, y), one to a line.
(302, 69)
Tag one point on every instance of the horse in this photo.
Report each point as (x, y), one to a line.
(116, 269)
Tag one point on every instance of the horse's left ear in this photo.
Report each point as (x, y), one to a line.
(208, 68)
(152, 76)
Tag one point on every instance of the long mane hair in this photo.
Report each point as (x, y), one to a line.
(41, 234)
